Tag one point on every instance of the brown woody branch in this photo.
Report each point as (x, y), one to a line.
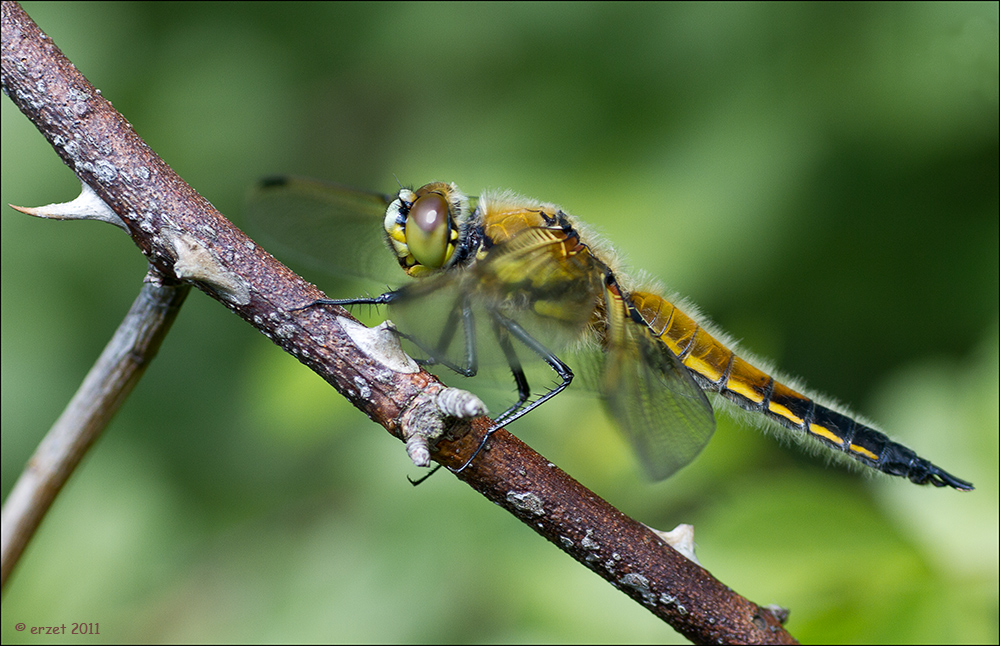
(100, 395)
(185, 239)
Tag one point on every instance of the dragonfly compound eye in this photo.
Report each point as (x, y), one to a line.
(428, 230)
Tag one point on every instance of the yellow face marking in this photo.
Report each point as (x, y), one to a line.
(417, 271)
(397, 233)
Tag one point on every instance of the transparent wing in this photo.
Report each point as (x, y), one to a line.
(436, 314)
(655, 401)
(451, 319)
(323, 226)
(463, 318)
(529, 279)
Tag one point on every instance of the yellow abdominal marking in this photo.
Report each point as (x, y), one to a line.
(863, 451)
(822, 431)
(778, 409)
(745, 391)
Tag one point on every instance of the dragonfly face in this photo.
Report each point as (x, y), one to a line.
(426, 227)
(515, 275)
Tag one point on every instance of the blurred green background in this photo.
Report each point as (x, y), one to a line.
(821, 179)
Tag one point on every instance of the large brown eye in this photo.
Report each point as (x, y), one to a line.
(427, 230)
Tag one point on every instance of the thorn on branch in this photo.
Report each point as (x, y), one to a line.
(87, 206)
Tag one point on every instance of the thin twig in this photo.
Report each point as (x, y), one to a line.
(183, 236)
(104, 389)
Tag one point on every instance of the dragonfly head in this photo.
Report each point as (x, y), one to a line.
(423, 227)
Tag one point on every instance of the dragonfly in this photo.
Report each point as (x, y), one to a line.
(516, 279)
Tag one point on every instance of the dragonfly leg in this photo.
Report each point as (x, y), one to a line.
(514, 363)
(504, 327)
(434, 356)
(471, 366)
(381, 299)
(437, 355)
(421, 479)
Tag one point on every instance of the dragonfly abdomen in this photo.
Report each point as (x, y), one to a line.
(718, 369)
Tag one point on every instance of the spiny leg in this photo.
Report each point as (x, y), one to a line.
(502, 327)
(471, 366)
(514, 363)
(436, 356)
(381, 299)
(421, 479)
